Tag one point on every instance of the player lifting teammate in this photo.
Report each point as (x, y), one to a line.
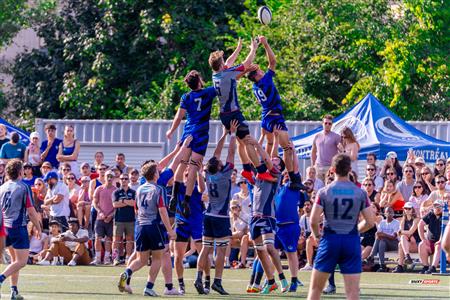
(216, 223)
(341, 202)
(225, 77)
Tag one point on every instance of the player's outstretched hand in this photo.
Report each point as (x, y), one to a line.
(187, 141)
(169, 134)
(172, 235)
(254, 43)
(262, 39)
(277, 129)
(234, 126)
(239, 45)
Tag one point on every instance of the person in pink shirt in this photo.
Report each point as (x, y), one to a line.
(104, 223)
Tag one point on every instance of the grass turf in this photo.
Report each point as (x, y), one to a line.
(61, 282)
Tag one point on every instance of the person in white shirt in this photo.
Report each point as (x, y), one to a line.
(57, 199)
(71, 245)
(386, 238)
(134, 180)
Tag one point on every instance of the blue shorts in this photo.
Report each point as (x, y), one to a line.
(287, 236)
(339, 249)
(242, 130)
(216, 227)
(188, 230)
(199, 142)
(165, 235)
(17, 238)
(149, 237)
(260, 226)
(270, 121)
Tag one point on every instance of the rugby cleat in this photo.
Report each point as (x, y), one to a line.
(269, 289)
(284, 286)
(249, 176)
(150, 293)
(198, 284)
(218, 288)
(122, 282)
(266, 176)
(329, 290)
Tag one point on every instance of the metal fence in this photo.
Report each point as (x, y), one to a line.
(144, 139)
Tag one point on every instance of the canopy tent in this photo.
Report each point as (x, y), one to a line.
(378, 130)
(24, 136)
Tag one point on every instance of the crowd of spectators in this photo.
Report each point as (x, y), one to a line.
(88, 208)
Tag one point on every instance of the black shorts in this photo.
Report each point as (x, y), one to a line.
(242, 130)
(216, 227)
(103, 229)
(368, 241)
(149, 237)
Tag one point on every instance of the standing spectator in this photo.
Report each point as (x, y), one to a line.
(306, 238)
(405, 187)
(371, 172)
(350, 146)
(39, 192)
(85, 170)
(103, 224)
(50, 147)
(418, 196)
(390, 197)
(120, 163)
(69, 149)
(427, 177)
(84, 203)
(369, 187)
(33, 154)
(99, 157)
(371, 159)
(430, 242)
(3, 132)
(2, 171)
(243, 199)
(439, 167)
(45, 168)
(311, 174)
(74, 190)
(386, 238)
(409, 237)
(124, 201)
(134, 179)
(28, 177)
(65, 170)
(324, 147)
(13, 149)
(235, 188)
(392, 162)
(447, 175)
(437, 194)
(419, 163)
(57, 199)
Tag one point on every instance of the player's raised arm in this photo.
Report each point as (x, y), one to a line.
(251, 55)
(269, 53)
(264, 155)
(232, 58)
(181, 152)
(232, 146)
(220, 143)
(176, 122)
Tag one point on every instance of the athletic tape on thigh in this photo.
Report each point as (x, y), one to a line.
(259, 247)
(194, 163)
(222, 243)
(269, 242)
(208, 243)
(287, 148)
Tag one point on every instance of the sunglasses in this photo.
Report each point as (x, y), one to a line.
(66, 169)
(441, 164)
(390, 174)
(441, 182)
(418, 187)
(426, 173)
(370, 169)
(85, 181)
(408, 171)
(407, 208)
(70, 178)
(368, 184)
(124, 179)
(102, 169)
(327, 123)
(109, 176)
(38, 184)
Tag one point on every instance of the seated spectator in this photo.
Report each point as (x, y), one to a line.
(69, 149)
(428, 178)
(38, 243)
(45, 168)
(447, 176)
(409, 237)
(391, 174)
(419, 164)
(65, 169)
(390, 197)
(391, 161)
(84, 203)
(329, 180)
(99, 157)
(243, 198)
(437, 194)
(53, 233)
(2, 171)
(369, 187)
(385, 239)
(134, 179)
(39, 191)
(28, 177)
(371, 159)
(74, 190)
(13, 149)
(71, 245)
(430, 243)
(405, 186)
(3, 138)
(418, 196)
(50, 147)
(57, 199)
(33, 154)
(371, 172)
(368, 237)
(309, 185)
(239, 237)
(353, 177)
(306, 238)
(311, 174)
(120, 163)
(85, 170)
(439, 167)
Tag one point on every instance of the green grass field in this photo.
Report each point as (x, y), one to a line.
(38, 282)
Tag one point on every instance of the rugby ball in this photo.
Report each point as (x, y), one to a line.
(264, 15)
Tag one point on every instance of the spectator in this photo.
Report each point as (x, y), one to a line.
(324, 147)
(305, 236)
(371, 159)
(38, 243)
(239, 237)
(391, 174)
(419, 163)
(71, 245)
(369, 187)
(45, 168)
(33, 154)
(405, 187)
(95, 183)
(103, 224)
(234, 184)
(371, 172)
(418, 196)
(84, 203)
(28, 177)
(57, 199)
(69, 149)
(309, 187)
(74, 190)
(390, 197)
(353, 177)
(13, 149)
(428, 178)
(134, 179)
(311, 175)
(447, 175)
(437, 194)
(85, 170)
(124, 201)
(439, 167)
(39, 191)
(120, 163)
(66, 169)
(392, 162)
(368, 237)
(50, 147)
(2, 171)
(98, 160)
(409, 237)
(3, 138)
(430, 242)
(386, 238)
(243, 198)
(54, 232)
(350, 146)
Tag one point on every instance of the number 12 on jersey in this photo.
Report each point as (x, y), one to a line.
(341, 208)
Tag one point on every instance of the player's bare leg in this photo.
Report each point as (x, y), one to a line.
(275, 257)
(194, 166)
(270, 140)
(250, 144)
(153, 272)
(203, 264)
(318, 280)
(351, 283)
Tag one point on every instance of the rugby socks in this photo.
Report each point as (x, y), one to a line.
(247, 167)
(262, 168)
(281, 276)
(253, 275)
(169, 286)
(14, 289)
(271, 281)
(149, 285)
(218, 281)
(200, 275)
(187, 198)
(2, 278)
(294, 280)
(207, 281)
(181, 283)
(129, 273)
(258, 278)
(331, 280)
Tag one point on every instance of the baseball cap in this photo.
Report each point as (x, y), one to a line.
(391, 154)
(2, 162)
(27, 165)
(419, 160)
(50, 175)
(54, 222)
(47, 164)
(85, 164)
(85, 178)
(408, 205)
(34, 134)
(110, 172)
(73, 220)
(438, 203)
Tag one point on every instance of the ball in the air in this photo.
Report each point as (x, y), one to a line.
(264, 15)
